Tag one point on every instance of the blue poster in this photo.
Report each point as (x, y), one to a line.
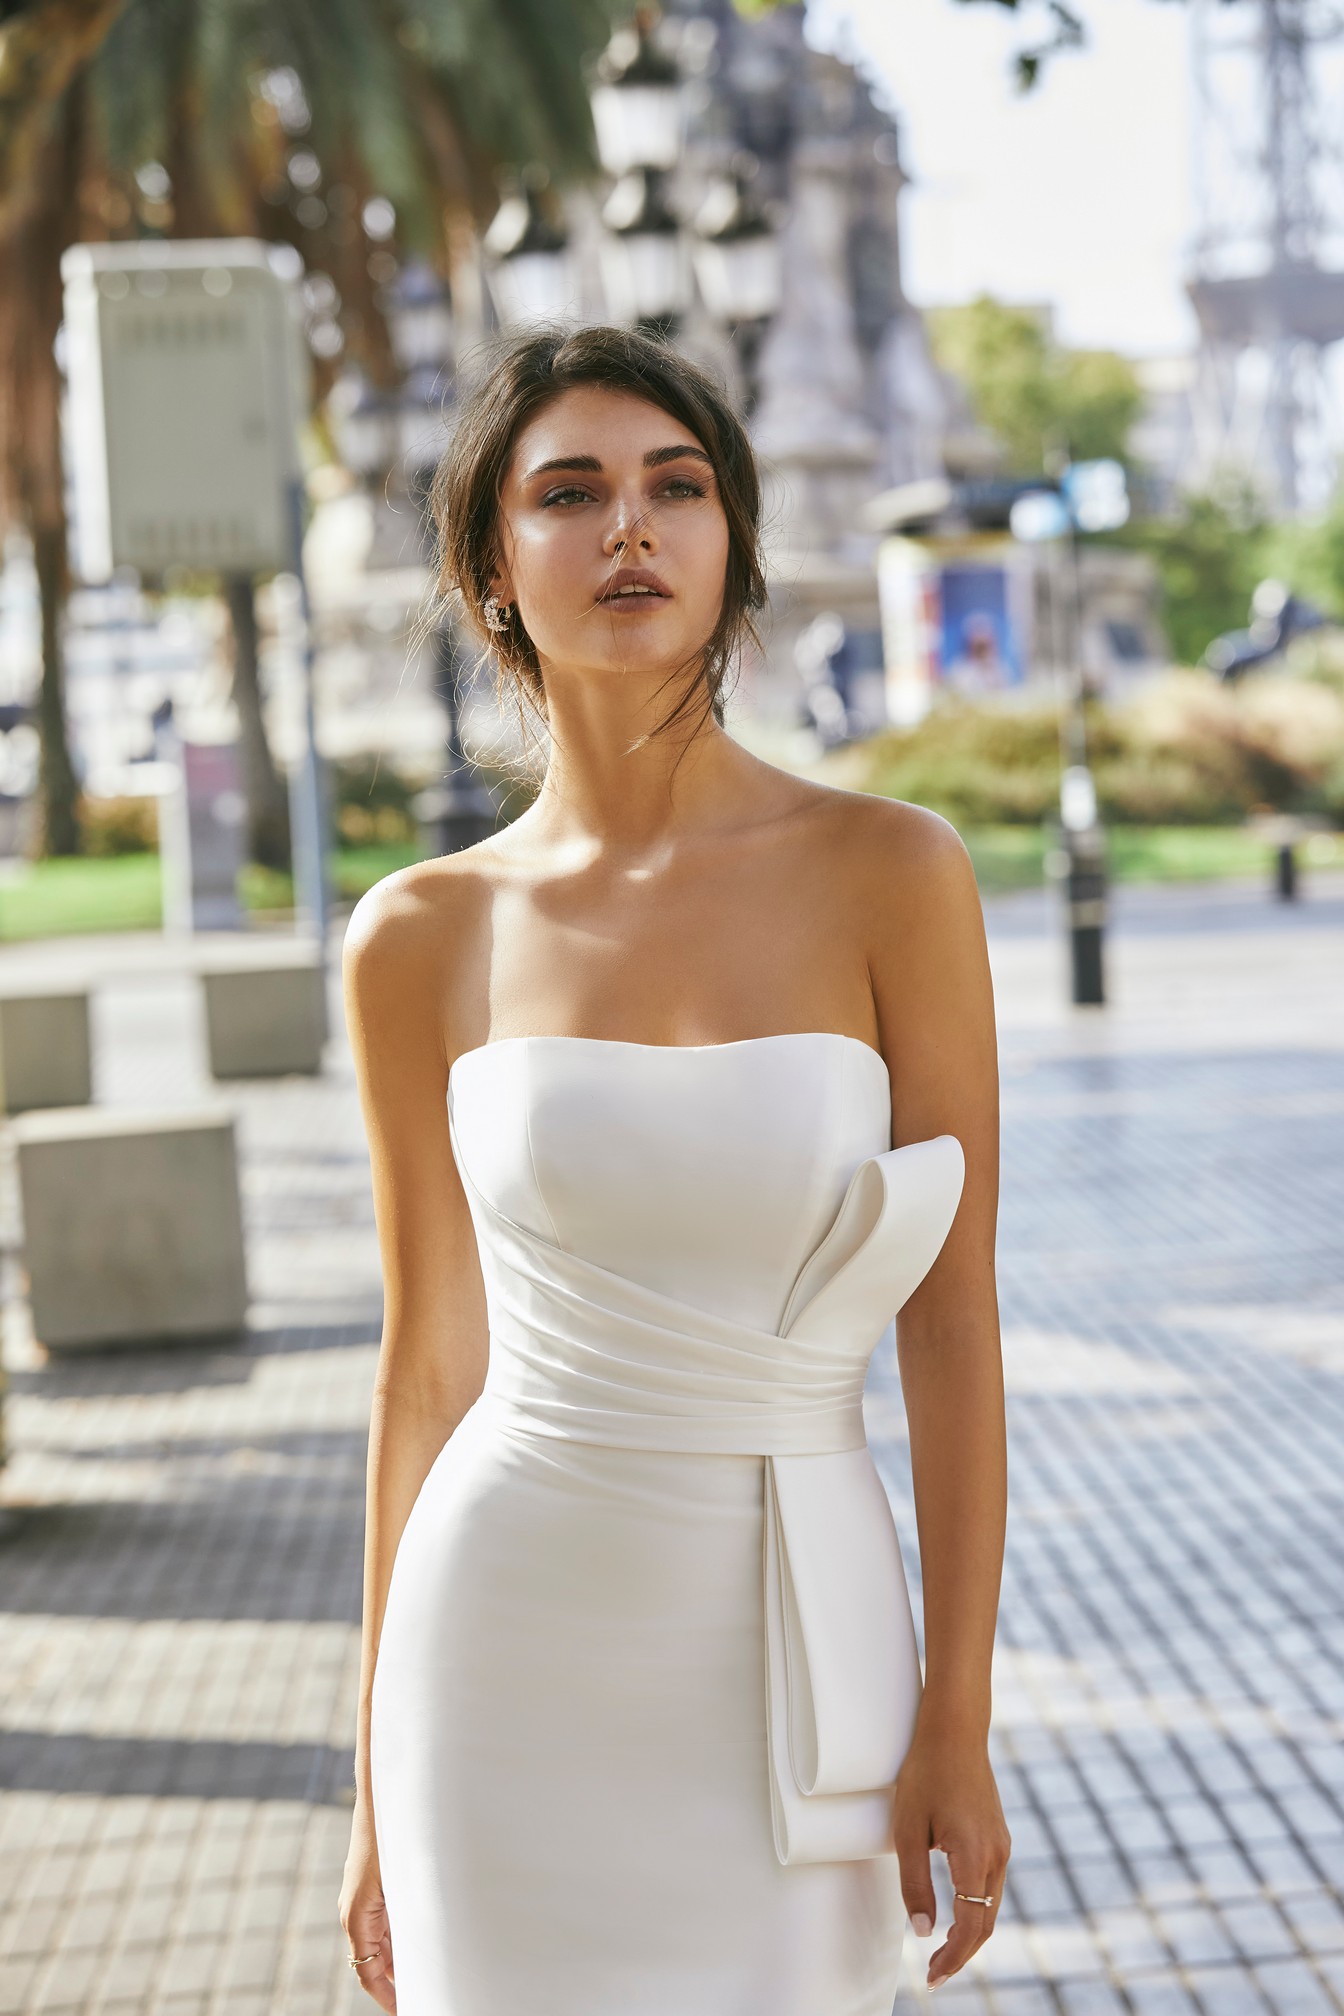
(979, 652)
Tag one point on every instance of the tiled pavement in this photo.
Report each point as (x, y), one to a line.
(179, 1577)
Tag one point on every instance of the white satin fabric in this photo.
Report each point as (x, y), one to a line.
(648, 1667)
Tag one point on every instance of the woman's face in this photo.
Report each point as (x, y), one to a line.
(614, 542)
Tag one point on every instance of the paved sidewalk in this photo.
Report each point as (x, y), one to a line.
(180, 1581)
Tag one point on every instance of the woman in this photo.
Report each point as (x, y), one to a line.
(642, 1726)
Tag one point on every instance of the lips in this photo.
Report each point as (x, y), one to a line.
(634, 587)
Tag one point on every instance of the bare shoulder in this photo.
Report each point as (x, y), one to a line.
(404, 918)
(412, 941)
(918, 918)
(907, 867)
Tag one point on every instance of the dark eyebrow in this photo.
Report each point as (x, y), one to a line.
(657, 456)
(589, 462)
(655, 459)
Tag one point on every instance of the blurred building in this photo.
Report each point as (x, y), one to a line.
(834, 372)
(849, 401)
(1162, 439)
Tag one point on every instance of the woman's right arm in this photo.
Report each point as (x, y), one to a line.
(431, 1365)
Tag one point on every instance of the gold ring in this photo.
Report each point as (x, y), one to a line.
(972, 1900)
(353, 1962)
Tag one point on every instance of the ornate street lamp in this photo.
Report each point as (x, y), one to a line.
(637, 116)
(528, 255)
(643, 254)
(366, 424)
(422, 429)
(419, 317)
(637, 101)
(736, 254)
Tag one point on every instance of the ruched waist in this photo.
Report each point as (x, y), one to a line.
(537, 1399)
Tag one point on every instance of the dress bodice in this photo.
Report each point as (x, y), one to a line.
(708, 1173)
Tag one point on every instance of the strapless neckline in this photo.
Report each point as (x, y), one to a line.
(681, 1049)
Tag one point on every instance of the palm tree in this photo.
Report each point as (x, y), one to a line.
(198, 118)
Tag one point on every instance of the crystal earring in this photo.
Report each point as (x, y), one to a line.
(497, 613)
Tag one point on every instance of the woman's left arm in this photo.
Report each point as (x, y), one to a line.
(931, 985)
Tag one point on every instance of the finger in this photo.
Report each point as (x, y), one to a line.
(376, 1981)
(921, 1902)
(972, 1924)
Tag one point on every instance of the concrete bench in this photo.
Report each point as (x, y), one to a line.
(132, 1225)
(44, 1050)
(265, 1019)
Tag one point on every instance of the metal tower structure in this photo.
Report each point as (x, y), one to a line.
(1266, 275)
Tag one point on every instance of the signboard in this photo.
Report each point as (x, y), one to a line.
(907, 586)
(185, 366)
(202, 837)
(954, 616)
(979, 649)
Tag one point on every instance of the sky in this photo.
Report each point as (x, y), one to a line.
(1077, 194)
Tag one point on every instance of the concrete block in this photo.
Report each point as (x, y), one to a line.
(264, 1020)
(132, 1225)
(44, 1050)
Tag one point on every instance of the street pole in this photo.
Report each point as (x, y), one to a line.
(1092, 495)
(1084, 840)
(461, 810)
(307, 819)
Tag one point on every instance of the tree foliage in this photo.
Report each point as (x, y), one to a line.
(1036, 396)
(1211, 554)
(125, 118)
(1308, 553)
(1066, 29)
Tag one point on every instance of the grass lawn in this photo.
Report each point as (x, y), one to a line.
(48, 899)
(1013, 857)
(352, 871)
(45, 899)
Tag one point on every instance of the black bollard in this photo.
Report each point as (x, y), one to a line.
(1285, 872)
(1086, 898)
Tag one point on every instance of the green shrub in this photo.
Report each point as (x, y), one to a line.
(109, 826)
(371, 803)
(1184, 751)
(978, 765)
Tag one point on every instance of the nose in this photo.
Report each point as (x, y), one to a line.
(631, 529)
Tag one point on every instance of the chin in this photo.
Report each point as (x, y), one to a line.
(623, 657)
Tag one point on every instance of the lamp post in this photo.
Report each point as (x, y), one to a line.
(365, 420)
(736, 254)
(643, 255)
(637, 101)
(1091, 497)
(419, 317)
(528, 255)
(459, 810)
(378, 431)
(638, 109)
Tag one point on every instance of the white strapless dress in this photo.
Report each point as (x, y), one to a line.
(648, 1667)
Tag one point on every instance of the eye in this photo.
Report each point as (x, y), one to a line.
(565, 495)
(685, 486)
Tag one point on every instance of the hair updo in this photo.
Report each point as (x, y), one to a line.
(524, 374)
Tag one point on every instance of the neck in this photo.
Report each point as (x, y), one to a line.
(601, 788)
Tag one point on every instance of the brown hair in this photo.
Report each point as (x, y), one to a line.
(524, 374)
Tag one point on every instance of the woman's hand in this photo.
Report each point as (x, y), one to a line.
(364, 1914)
(946, 1798)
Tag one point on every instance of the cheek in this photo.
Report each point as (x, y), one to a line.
(710, 568)
(541, 564)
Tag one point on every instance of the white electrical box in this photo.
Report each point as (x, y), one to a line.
(186, 374)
